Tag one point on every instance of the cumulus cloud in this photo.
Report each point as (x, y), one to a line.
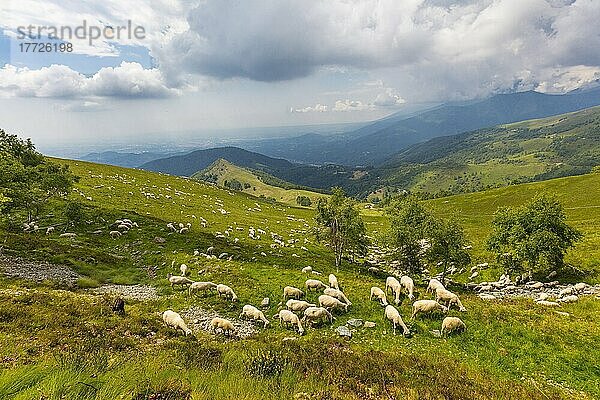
(388, 98)
(453, 48)
(129, 80)
(316, 108)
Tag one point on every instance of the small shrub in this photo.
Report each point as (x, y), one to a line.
(266, 363)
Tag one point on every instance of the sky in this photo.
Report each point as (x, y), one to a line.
(202, 66)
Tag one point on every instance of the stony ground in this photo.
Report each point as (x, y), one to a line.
(37, 271)
(199, 319)
(132, 292)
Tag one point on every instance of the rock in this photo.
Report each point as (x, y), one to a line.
(566, 314)
(536, 285)
(551, 275)
(543, 297)
(569, 299)
(289, 338)
(160, 240)
(580, 286)
(436, 333)
(547, 303)
(369, 324)
(355, 322)
(265, 302)
(485, 296)
(343, 331)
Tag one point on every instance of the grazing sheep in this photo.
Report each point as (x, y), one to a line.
(115, 234)
(298, 305)
(184, 269)
(225, 325)
(49, 230)
(394, 316)
(427, 307)
(566, 292)
(307, 270)
(201, 286)
(314, 284)
(287, 317)
(452, 324)
(408, 285)
(184, 230)
(547, 303)
(449, 297)
(568, 299)
(315, 315)
(331, 303)
(434, 285)
(174, 320)
(393, 284)
(580, 287)
(178, 280)
(171, 227)
(290, 291)
(69, 235)
(254, 313)
(333, 282)
(338, 294)
(379, 295)
(226, 291)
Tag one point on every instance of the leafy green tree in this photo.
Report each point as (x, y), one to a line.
(340, 224)
(27, 180)
(74, 213)
(410, 231)
(448, 245)
(303, 201)
(534, 236)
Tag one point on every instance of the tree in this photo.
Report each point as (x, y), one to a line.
(27, 180)
(74, 213)
(448, 245)
(340, 223)
(304, 201)
(534, 236)
(410, 231)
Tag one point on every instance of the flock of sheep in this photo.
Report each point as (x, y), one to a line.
(298, 314)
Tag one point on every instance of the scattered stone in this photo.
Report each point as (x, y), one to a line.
(370, 324)
(265, 302)
(160, 240)
(38, 271)
(551, 275)
(200, 320)
(343, 331)
(289, 338)
(486, 296)
(355, 322)
(566, 314)
(436, 333)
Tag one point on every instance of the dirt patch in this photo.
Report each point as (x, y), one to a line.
(132, 292)
(199, 319)
(38, 271)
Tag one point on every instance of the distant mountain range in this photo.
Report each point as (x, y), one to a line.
(129, 160)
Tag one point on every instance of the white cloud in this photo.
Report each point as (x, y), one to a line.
(388, 98)
(316, 108)
(351, 105)
(129, 80)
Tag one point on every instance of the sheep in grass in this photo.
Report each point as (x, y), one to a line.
(174, 320)
(49, 230)
(434, 285)
(452, 324)
(223, 324)
(408, 285)
(226, 291)
(178, 280)
(298, 305)
(316, 315)
(286, 318)
(394, 316)
(184, 269)
(292, 292)
(338, 294)
(201, 287)
(427, 307)
(307, 270)
(69, 235)
(331, 303)
(395, 286)
(443, 295)
(333, 282)
(115, 234)
(254, 313)
(171, 227)
(314, 284)
(379, 294)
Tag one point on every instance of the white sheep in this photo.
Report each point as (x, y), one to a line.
(184, 269)
(49, 230)
(338, 294)
(226, 291)
(315, 315)
(449, 297)
(201, 286)
(452, 324)
(331, 303)
(286, 317)
(254, 313)
(69, 235)
(333, 282)
(394, 316)
(115, 234)
(547, 303)
(393, 284)
(178, 280)
(379, 295)
(408, 285)
(290, 291)
(174, 320)
(434, 285)
(426, 307)
(307, 270)
(314, 284)
(568, 299)
(298, 305)
(225, 325)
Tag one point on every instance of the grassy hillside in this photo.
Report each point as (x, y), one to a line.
(68, 344)
(534, 150)
(579, 195)
(222, 171)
